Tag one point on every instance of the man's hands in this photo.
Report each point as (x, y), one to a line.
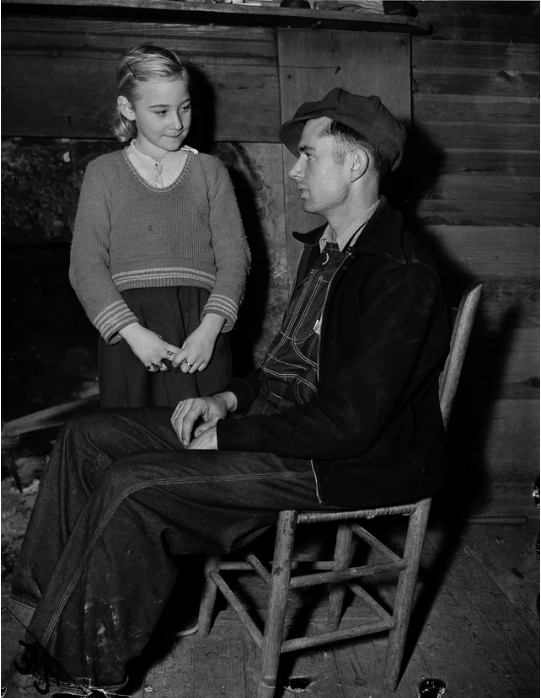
(210, 410)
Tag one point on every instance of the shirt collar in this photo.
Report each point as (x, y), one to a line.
(350, 233)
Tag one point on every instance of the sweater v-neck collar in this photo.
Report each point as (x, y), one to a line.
(148, 186)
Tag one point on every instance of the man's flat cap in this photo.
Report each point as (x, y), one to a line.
(366, 115)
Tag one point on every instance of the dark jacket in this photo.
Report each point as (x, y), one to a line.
(374, 431)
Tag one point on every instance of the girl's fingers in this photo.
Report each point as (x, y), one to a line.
(178, 359)
(171, 351)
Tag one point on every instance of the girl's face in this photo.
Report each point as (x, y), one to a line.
(163, 116)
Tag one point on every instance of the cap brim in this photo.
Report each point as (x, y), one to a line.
(290, 134)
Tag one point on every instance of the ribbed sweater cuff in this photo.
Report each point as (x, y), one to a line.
(111, 320)
(223, 306)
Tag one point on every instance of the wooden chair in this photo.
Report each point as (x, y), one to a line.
(338, 572)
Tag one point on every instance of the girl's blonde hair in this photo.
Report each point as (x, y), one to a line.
(144, 63)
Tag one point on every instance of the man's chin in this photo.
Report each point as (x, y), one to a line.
(310, 209)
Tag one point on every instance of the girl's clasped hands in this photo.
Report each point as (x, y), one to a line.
(194, 355)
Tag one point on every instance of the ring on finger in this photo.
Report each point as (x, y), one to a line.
(185, 361)
(170, 353)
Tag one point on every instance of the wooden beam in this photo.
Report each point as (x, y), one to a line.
(56, 35)
(475, 22)
(200, 13)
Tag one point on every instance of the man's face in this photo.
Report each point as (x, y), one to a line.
(323, 183)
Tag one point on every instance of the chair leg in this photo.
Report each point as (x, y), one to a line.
(208, 598)
(276, 610)
(405, 593)
(342, 559)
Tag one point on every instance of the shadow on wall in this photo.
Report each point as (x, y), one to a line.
(488, 347)
(252, 313)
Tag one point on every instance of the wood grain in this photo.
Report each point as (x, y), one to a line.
(459, 55)
(506, 644)
(478, 136)
(487, 252)
(515, 163)
(77, 94)
(58, 34)
(453, 212)
(473, 22)
(517, 191)
(311, 64)
(486, 109)
(504, 83)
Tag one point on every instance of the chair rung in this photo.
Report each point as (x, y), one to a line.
(260, 568)
(345, 634)
(319, 516)
(235, 565)
(239, 609)
(376, 607)
(374, 542)
(238, 566)
(337, 576)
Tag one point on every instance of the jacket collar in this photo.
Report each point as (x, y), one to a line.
(382, 234)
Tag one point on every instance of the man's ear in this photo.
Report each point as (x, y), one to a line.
(125, 108)
(360, 160)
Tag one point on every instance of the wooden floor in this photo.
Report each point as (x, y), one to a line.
(475, 629)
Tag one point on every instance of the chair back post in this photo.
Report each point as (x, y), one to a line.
(407, 580)
(462, 328)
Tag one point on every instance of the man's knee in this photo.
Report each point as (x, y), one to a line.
(96, 433)
(88, 427)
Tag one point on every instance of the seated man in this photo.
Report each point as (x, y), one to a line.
(343, 412)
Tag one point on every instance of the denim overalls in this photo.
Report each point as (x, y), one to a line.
(290, 367)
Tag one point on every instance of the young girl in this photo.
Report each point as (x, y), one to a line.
(159, 257)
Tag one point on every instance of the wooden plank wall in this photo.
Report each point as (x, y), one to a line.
(235, 69)
(311, 64)
(469, 184)
(476, 114)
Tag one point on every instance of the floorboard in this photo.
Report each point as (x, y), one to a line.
(475, 627)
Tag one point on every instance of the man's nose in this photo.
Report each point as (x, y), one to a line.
(296, 171)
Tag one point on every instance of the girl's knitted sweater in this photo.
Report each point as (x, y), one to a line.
(128, 234)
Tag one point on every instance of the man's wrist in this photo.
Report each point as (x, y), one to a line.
(228, 399)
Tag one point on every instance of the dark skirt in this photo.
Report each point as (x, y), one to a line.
(174, 313)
